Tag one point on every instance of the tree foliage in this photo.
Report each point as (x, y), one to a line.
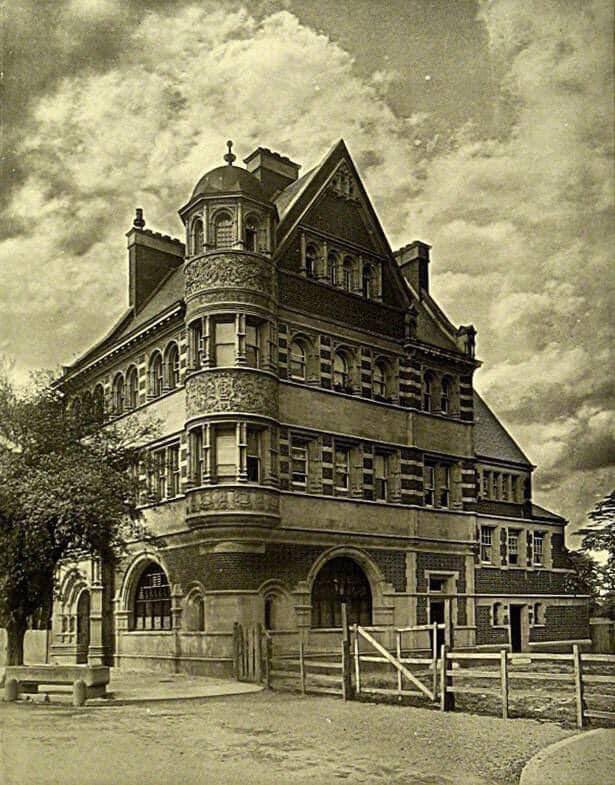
(599, 538)
(66, 489)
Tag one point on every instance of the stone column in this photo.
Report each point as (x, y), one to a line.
(96, 649)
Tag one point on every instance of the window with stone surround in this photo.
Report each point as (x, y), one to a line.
(225, 453)
(297, 360)
(538, 550)
(195, 343)
(427, 391)
(224, 341)
(253, 455)
(499, 614)
(118, 394)
(342, 467)
(486, 544)
(132, 387)
(446, 387)
(223, 230)
(513, 546)
(163, 473)
(381, 477)
(311, 259)
(195, 444)
(341, 372)
(155, 375)
(171, 366)
(347, 273)
(299, 462)
(436, 484)
(253, 343)
(197, 236)
(341, 580)
(252, 233)
(152, 604)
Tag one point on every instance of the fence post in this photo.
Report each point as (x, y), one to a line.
(357, 659)
(434, 660)
(236, 651)
(346, 672)
(504, 678)
(267, 645)
(578, 684)
(399, 676)
(447, 699)
(302, 666)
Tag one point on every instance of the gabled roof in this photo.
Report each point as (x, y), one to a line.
(542, 512)
(491, 439)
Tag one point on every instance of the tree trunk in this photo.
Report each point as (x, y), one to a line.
(15, 633)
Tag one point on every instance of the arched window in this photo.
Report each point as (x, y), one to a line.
(333, 265)
(195, 343)
(171, 366)
(341, 378)
(445, 395)
(155, 375)
(197, 236)
(369, 282)
(347, 274)
(311, 256)
(297, 361)
(132, 388)
(223, 230)
(379, 384)
(341, 580)
(99, 403)
(252, 231)
(427, 391)
(152, 604)
(118, 394)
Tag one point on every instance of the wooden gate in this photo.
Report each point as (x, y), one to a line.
(249, 652)
(417, 688)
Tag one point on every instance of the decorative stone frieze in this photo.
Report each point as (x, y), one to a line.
(220, 499)
(213, 273)
(231, 390)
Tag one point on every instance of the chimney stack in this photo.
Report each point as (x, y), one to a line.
(413, 261)
(274, 171)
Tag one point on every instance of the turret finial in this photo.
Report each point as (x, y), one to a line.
(230, 157)
(139, 221)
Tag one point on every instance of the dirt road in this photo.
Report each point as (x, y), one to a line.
(260, 739)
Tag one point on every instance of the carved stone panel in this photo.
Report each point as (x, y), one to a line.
(229, 271)
(217, 499)
(231, 390)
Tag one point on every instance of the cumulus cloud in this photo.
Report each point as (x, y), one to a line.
(519, 221)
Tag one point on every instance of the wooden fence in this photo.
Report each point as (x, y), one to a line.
(457, 667)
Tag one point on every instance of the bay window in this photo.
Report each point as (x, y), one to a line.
(225, 453)
(224, 342)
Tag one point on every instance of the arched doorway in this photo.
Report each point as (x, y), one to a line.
(83, 626)
(341, 580)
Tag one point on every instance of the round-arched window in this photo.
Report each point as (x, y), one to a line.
(155, 375)
(118, 394)
(341, 377)
(197, 236)
(252, 230)
(172, 366)
(297, 360)
(369, 282)
(379, 385)
(333, 265)
(445, 395)
(311, 256)
(347, 274)
(223, 230)
(132, 388)
(152, 602)
(341, 580)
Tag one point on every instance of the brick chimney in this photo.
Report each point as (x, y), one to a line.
(151, 257)
(413, 261)
(275, 171)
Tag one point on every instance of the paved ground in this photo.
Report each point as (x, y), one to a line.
(585, 759)
(262, 738)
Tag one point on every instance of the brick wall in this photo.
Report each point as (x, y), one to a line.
(563, 622)
(485, 633)
(520, 582)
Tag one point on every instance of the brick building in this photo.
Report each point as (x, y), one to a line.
(322, 440)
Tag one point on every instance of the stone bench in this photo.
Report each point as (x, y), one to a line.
(88, 681)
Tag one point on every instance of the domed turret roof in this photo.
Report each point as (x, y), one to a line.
(229, 179)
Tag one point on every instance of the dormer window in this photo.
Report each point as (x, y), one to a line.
(311, 256)
(347, 274)
(223, 230)
(369, 282)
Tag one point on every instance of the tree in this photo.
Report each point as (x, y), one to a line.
(66, 490)
(599, 536)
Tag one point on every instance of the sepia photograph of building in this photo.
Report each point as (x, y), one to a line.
(307, 424)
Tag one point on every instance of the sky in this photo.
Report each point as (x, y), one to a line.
(482, 128)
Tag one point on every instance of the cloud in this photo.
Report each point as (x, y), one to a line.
(132, 101)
